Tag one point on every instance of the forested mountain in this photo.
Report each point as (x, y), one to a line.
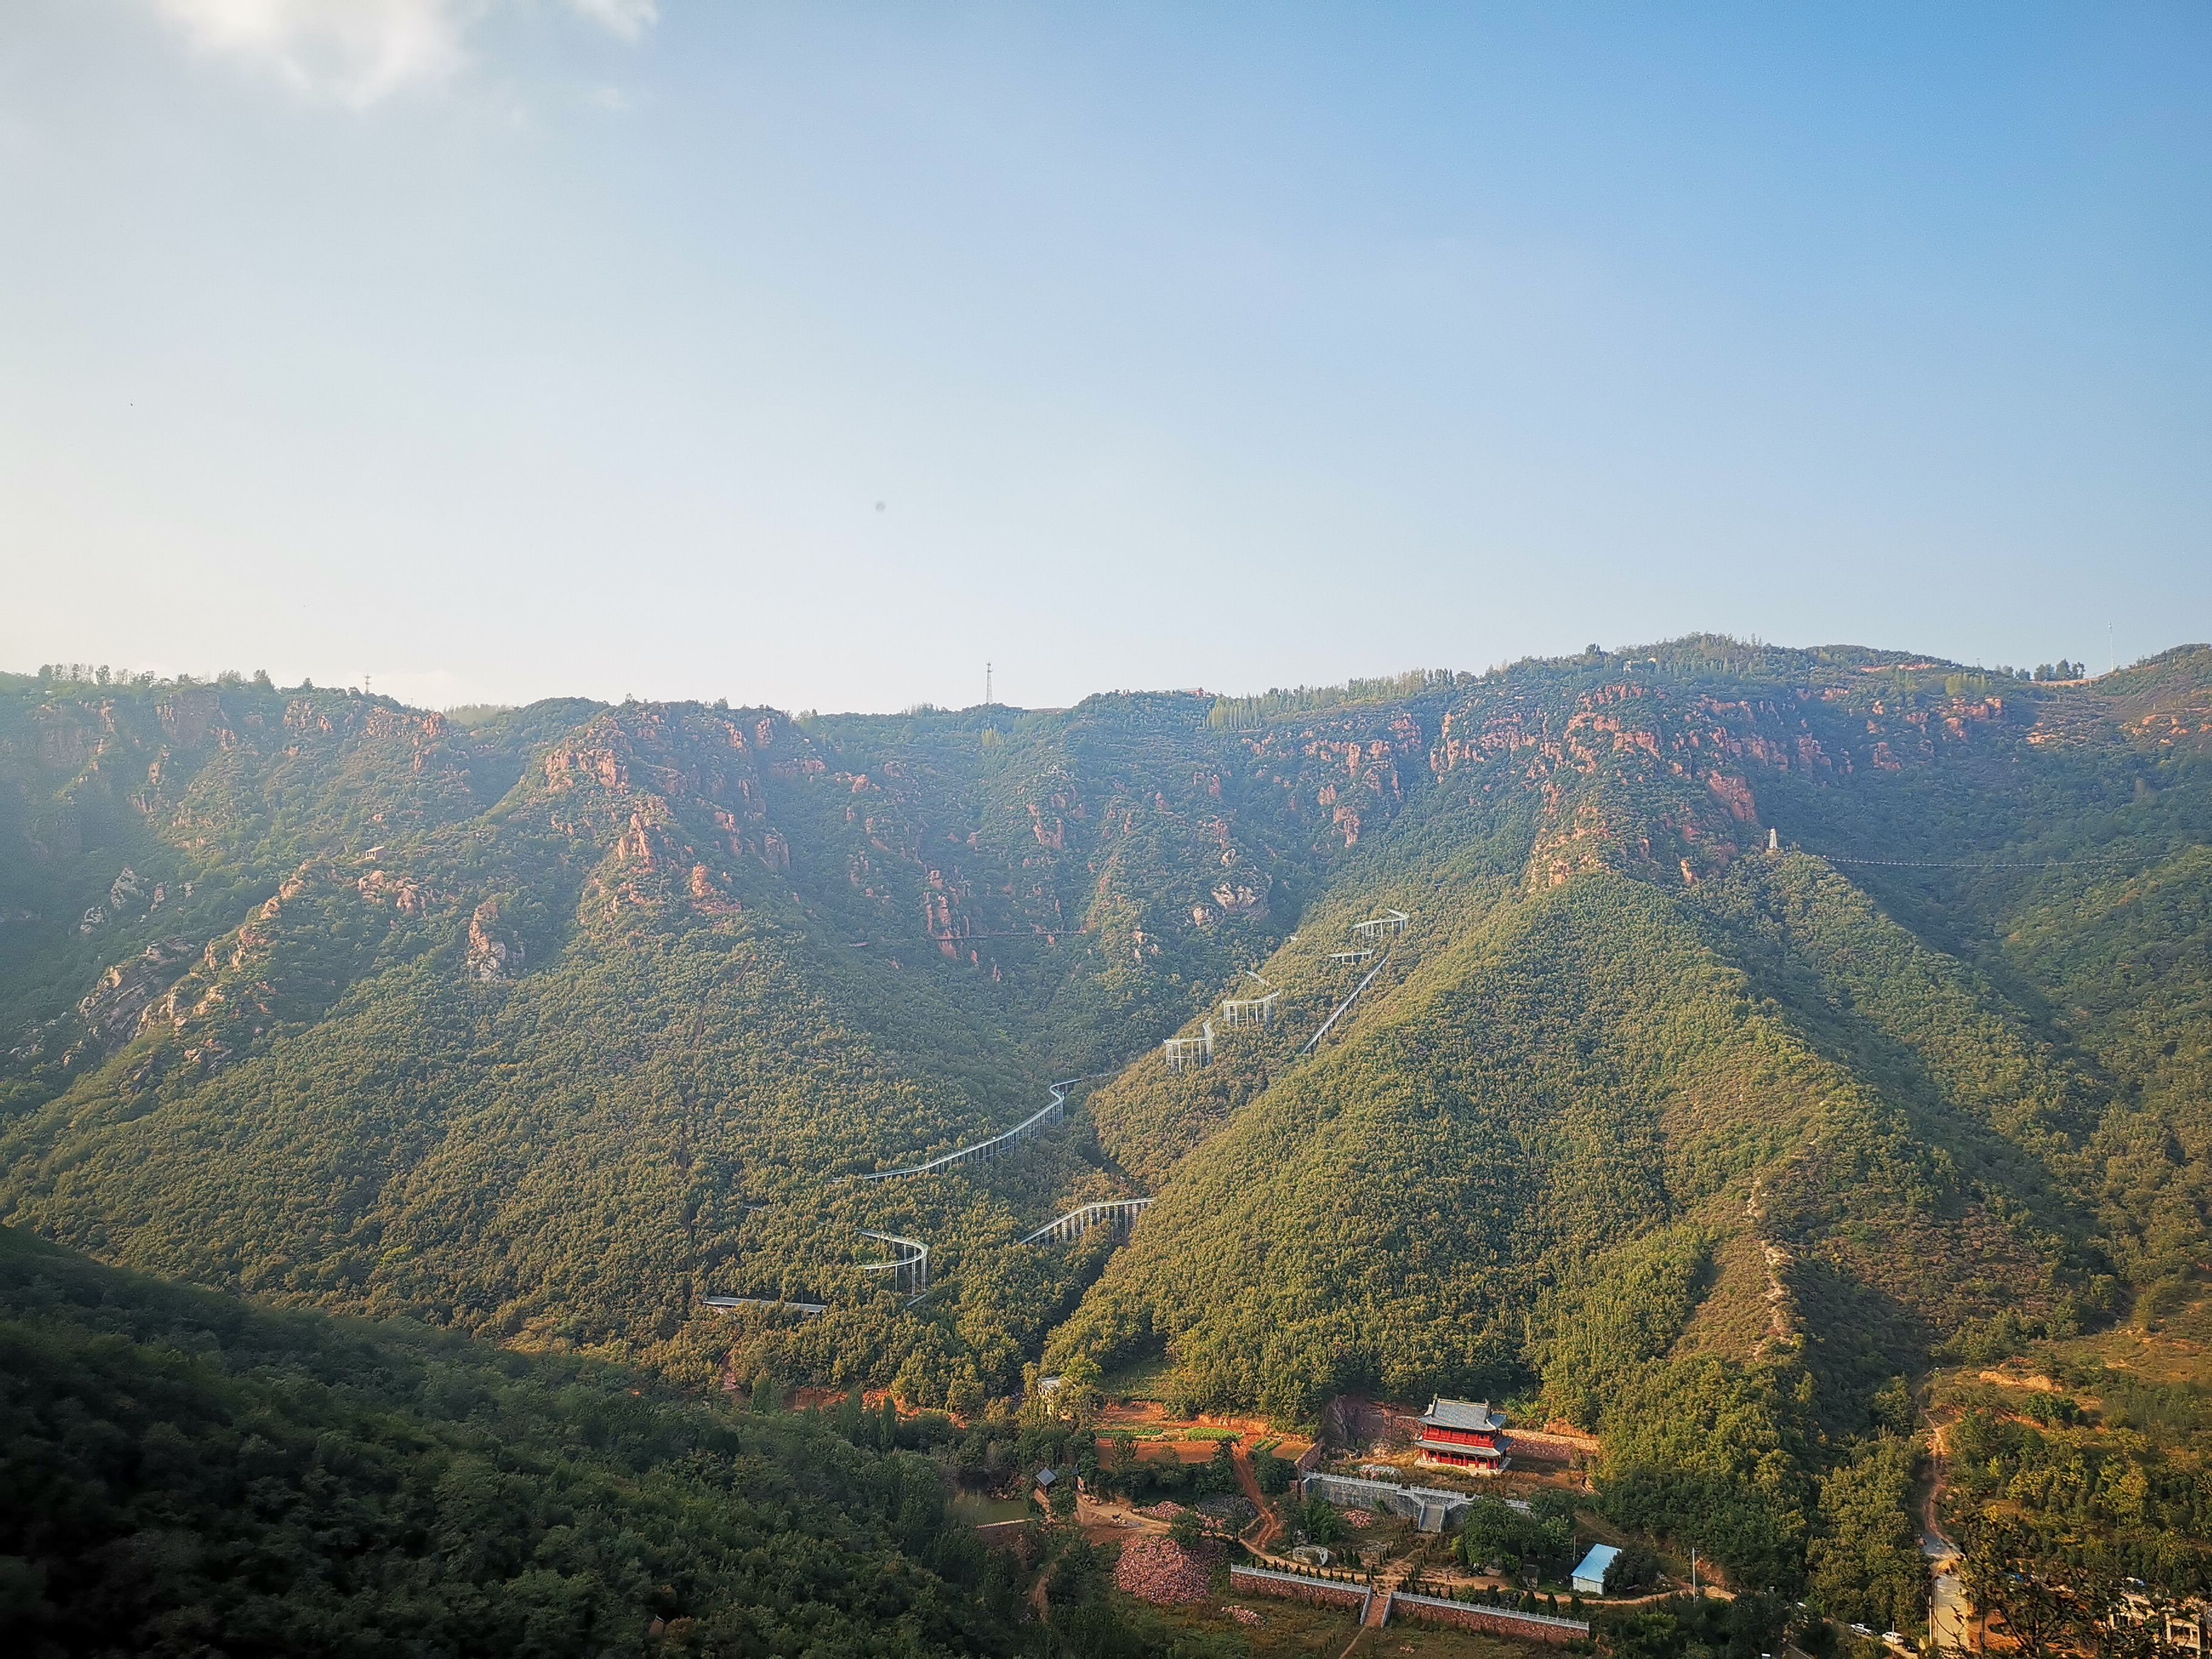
(550, 1026)
(187, 1474)
(548, 1023)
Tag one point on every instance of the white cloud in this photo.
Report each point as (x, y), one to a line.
(357, 51)
(629, 19)
(361, 52)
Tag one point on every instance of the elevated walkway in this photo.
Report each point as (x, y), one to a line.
(908, 1265)
(725, 1304)
(1119, 1212)
(1344, 1007)
(997, 1145)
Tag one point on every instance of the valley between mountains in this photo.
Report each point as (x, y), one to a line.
(1775, 1042)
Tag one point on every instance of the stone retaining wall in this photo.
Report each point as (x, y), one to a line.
(1498, 1622)
(1430, 1509)
(1295, 1587)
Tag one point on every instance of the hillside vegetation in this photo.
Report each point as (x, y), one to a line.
(187, 1474)
(548, 1027)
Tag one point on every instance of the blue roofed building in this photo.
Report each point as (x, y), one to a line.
(1590, 1576)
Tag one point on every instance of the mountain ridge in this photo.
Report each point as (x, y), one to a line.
(1923, 1079)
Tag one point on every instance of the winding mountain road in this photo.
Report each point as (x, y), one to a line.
(1950, 1615)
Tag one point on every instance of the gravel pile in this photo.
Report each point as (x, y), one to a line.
(1161, 1570)
(1246, 1616)
(1165, 1509)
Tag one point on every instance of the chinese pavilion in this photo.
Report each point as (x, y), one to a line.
(1462, 1434)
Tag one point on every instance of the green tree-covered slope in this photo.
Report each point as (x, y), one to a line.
(1699, 1146)
(557, 1063)
(552, 1024)
(188, 1474)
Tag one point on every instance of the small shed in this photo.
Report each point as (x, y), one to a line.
(1590, 1576)
(1046, 1479)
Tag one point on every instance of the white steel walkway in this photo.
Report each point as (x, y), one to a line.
(1117, 1213)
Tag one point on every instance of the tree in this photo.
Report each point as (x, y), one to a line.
(1121, 1460)
(2005, 1576)
(849, 1417)
(1221, 1468)
(1495, 1531)
(1319, 1519)
(1634, 1566)
(1864, 1562)
(1036, 1405)
(1078, 1398)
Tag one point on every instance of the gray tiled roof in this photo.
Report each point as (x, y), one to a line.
(1474, 1414)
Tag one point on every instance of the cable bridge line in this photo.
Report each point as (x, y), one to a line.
(983, 1151)
(1995, 864)
(1048, 934)
(1112, 1212)
(1313, 1042)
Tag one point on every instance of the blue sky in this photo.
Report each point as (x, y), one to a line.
(498, 349)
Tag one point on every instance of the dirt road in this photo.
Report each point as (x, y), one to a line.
(1933, 1543)
(1270, 1527)
(1950, 1615)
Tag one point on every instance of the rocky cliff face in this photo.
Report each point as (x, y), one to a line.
(684, 960)
(1660, 782)
(116, 1008)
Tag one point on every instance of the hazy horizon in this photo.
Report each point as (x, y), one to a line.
(120, 672)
